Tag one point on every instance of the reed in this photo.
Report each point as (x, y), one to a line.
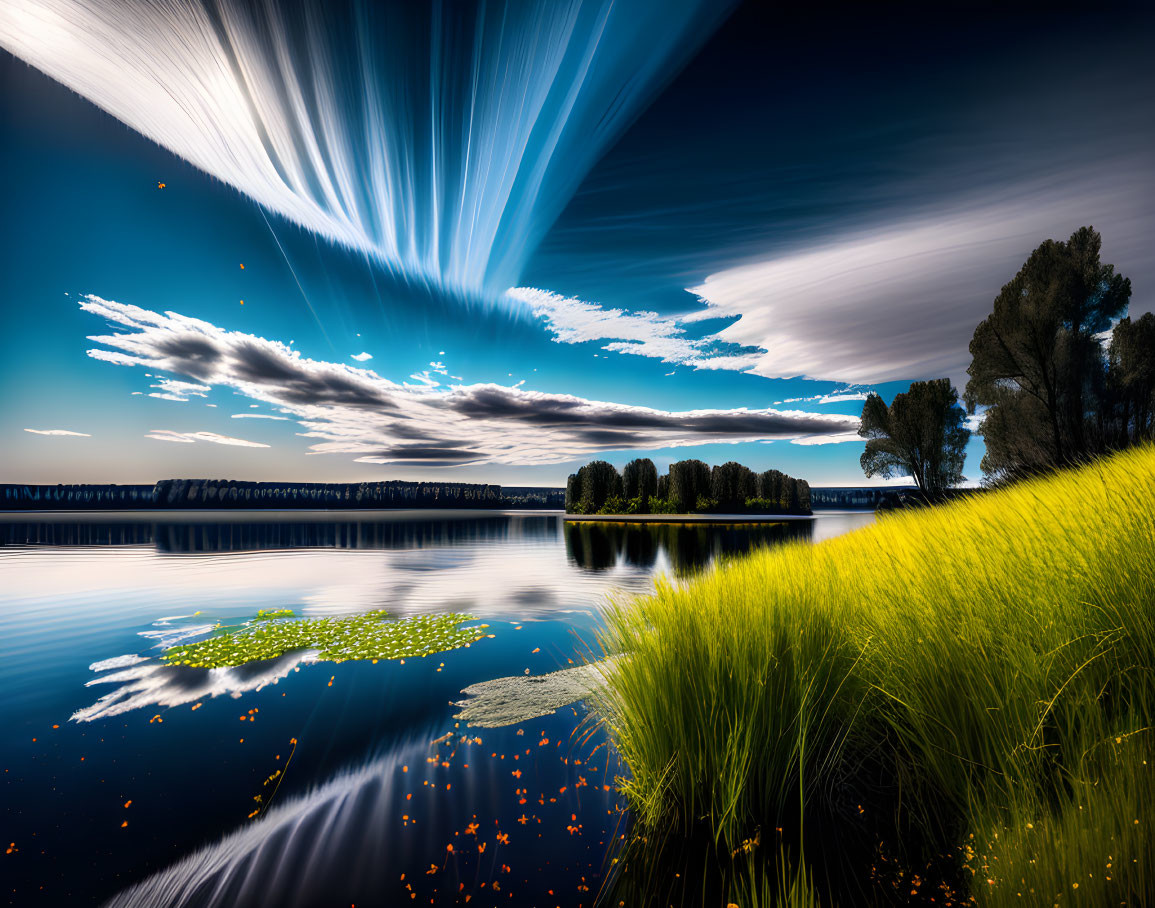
(980, 672)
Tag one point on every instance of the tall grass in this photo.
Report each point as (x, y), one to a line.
(964, 692)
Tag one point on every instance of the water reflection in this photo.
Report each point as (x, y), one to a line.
(441, 822)
(191, 534)
(680, 547)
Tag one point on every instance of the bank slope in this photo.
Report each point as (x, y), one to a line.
(961, 695)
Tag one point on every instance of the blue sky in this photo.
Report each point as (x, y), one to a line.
(764, 214)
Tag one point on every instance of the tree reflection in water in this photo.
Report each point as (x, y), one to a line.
(685, 547)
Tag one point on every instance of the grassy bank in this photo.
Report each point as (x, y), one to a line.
(952, 702)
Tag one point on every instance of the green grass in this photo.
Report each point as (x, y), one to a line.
(367, 636)
(885, 703)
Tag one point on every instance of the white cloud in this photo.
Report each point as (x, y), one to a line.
(837, 439)
(171, 389)
(649, 334)
(259, 416)
(191, 437)
(361, 357)
(58, 432)
(348, 410)
(274, 132)
(902, 300)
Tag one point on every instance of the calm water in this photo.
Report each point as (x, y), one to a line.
(136, 783)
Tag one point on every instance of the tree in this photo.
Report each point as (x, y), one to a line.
(1036, 363)
(640, 480)
(731, 485)
(921, 434)
(771, 487)
(689, 481)
(599, 481)
(573, 491)
(1131, 381)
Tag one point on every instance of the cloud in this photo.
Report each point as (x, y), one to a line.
(310, 114)
(258, 416)
(840, 439)
(901, 300)
(649, 334)
(895, 300)
(835, 397)
(191, 437)
(58, 432)
(171, 389)
(361, 357)
(347, 410)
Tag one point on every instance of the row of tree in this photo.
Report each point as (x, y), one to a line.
(690, 486)
(1059, 384)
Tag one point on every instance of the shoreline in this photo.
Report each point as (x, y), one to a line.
(686, 518)
(287, 514)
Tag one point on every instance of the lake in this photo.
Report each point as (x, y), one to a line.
(295, 781)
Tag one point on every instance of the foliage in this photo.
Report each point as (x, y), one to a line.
(615, 504)
(367, 636)
(1131, 382)
(1036, 362)
(689, 481)
(731, 484)
(592, 485)
(573, 493)
(689, 486)
(921, 435)
(640, 479)
(983, 668)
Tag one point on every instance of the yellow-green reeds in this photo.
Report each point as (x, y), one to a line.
(968, 688)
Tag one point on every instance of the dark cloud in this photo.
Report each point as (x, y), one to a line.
(355, 411)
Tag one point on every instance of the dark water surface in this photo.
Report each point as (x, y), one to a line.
(292, 782)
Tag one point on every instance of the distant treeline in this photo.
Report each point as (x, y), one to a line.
(854, 498)
(689, 487)
(231, 494)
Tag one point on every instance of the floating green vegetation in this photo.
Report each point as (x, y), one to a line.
(367, 636)
(271, 614)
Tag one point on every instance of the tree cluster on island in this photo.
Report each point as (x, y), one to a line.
(1063, 378)
(690, 487)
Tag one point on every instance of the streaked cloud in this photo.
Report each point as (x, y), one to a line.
(649, 334)
(259, 416)
(353, 411)
(211, 437)
(521, 101)
(171, 389)
(58, 432)
(901, 301)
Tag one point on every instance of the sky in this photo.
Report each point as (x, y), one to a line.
(352, 241)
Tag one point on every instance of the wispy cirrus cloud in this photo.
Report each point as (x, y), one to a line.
(192, 437)
(897, 299)
(172, 389)
(348, 410)
(642, 333)
(67, 432)
(901, 300)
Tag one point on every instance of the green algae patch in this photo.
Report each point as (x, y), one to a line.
(367, 636)
(267, 614)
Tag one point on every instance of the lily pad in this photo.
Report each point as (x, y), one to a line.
(367, 636)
